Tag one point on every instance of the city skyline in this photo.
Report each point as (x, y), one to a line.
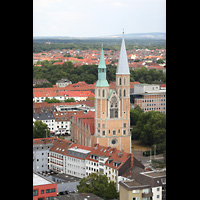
(96, 18)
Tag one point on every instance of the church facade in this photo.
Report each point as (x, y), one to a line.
(110, 124)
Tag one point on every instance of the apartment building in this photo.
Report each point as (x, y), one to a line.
(47, 118)
(58, 122)
(43, 188)
(148, 185)
(41, 147)
(149, 97)
(66, 157)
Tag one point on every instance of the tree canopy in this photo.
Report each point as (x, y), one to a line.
(97, 183)
(40, 129)
(149, 128)
(89, 73)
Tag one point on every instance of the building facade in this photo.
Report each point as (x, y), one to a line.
(43, 189)
(41, 149)
(147, 185)
(149, 97)
(112, 109)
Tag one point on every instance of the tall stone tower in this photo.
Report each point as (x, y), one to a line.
(112, 107)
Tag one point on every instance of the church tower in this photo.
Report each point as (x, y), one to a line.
(112, 107)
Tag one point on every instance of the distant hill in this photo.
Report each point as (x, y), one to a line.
(153, 35)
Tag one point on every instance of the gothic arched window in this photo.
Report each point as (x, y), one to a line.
(124, 80)
(103, 93)
(99, 92)
(124, 92)
(120, 81)
(114, 107)
(120, 92)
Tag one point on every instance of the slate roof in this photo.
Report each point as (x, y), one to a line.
(123, 67)
(43, 116)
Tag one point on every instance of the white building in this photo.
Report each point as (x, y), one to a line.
(80, 161)
(47, 118)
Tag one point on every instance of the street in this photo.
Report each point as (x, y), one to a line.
(139, 155)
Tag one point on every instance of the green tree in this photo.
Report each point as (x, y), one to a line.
(97, 183)
(70, 100)
(40, 130)
(134, 115)
(150, 129)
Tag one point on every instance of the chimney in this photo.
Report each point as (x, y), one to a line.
(130, 173)
(132, 160)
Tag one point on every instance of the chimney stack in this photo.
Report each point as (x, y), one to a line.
(132, 160)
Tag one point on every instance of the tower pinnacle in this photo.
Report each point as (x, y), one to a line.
(123, 67)
(102, 82)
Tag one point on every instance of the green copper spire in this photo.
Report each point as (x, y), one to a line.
(102, 82)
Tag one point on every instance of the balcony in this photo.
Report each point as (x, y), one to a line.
(149, 194)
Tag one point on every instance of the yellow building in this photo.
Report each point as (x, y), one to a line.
(132, 190)
(111, 125)
(112, 107)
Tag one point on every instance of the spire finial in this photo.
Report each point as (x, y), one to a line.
(102, 45)
(123, 32)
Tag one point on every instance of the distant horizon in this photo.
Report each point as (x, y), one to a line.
(118, 35)
(97, 18)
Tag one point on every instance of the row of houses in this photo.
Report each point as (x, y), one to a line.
(80, 91)
(131, 178)
(41, 95)
(66, 157)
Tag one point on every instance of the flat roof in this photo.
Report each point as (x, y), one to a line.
(38, 180)
(79, 150)
(155, 174)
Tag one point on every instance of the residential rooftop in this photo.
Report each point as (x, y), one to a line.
(39, 180)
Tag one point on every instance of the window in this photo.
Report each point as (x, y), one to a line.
(137, 198)
(114, 107)
(50, 198)
(42, 191)
(50, 190)
(103, 132)
(114, 141)
(120, 81)
(124, 132)
(124, 80)
(124, 125)
(145, 191)
(114, 132)
(35, 192)
(124, 92)
(99, 92)
(103, 93)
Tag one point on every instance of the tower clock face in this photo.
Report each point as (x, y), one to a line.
(114, 141)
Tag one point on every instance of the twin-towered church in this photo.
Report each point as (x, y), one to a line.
(109, 125)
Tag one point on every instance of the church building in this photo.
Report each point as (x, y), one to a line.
(110, 124)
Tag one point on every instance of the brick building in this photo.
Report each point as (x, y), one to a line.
(43, 189)
(110, 124)
(149, 97)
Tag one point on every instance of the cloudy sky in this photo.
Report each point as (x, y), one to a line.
(90, 18)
